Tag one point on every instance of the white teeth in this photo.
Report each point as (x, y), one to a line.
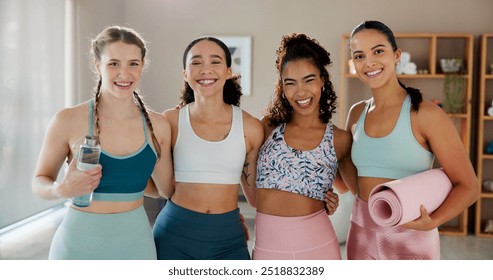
(205, 82)
(123, 84)
(374, 72)
(304, 101)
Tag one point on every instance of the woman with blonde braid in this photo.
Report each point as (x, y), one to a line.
(135, 146)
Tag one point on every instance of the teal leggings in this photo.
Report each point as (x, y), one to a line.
(90, 236)
(181, 234)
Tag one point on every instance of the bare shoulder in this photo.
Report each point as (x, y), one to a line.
(341, 134)
(357, 108)
(430, 114)
(251, 121)
(76, 117)
(253, 128)
(355, 112)
(172, 113)
(266, 127)
(160, 123)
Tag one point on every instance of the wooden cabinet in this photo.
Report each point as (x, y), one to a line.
(484, 206)
(426, 50)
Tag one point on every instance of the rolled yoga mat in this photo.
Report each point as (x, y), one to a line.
(397, 202)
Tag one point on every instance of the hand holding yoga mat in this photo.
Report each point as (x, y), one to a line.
(397, 202)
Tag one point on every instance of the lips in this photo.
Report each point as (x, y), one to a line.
(206, 82)
(123, 84)
(374, 73)
(304, 102)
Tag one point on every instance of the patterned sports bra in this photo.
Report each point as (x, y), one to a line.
(309, 173)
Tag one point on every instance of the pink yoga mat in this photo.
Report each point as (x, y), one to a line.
(397, 202)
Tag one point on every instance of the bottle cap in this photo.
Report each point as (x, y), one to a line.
(91, 140)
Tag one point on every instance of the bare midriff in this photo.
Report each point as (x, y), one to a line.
(206, 198)
(367, 184)
(286, 204)
(110, 207)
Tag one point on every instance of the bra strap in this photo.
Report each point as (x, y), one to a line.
(91, 114)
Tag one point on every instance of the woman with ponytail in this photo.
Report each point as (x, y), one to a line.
(215, 145)
(397, 133)
(135, 158)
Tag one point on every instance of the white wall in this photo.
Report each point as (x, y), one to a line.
(169, 25)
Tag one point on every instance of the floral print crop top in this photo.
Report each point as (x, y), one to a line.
(309, 173)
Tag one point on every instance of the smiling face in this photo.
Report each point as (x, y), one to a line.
(206, 69)
(302, 86)
(374, 59)
(120, 67)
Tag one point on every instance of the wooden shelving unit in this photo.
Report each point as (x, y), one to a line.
(426, 50)
(484, 206)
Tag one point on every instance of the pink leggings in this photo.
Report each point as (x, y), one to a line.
(367, 240)
(310, 237)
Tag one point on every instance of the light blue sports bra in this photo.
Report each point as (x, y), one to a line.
(309, 173)
(393, 156)
(124, 177)
(197, 160)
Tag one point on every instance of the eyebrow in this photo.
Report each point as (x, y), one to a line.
(304, 78)
(377, 46)
(212, 56)
(131, 60)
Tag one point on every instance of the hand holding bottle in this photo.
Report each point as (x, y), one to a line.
(87, 160)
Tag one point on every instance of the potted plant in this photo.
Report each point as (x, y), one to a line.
(453, 88)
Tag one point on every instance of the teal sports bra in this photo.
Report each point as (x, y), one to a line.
(393, 156)
(124, 177)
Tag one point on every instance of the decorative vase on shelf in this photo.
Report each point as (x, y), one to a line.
(453, 89)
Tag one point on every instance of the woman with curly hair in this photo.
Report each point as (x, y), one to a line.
(300, 157)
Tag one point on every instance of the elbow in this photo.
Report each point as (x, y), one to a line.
(253, 203)
(474, 190)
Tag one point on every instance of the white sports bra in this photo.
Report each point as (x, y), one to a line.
(200, 161)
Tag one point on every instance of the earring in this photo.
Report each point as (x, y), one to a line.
(323, 89)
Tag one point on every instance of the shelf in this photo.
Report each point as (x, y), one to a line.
(458, 116)
(484, 205)
(486, 194)
(487, 235)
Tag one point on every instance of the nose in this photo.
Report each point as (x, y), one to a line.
(370, 63)
(206, 69)
(122, 72)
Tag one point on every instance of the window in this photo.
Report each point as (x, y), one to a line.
(31, 91)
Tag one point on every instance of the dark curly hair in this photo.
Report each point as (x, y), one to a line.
(294, 47)
(232, 89)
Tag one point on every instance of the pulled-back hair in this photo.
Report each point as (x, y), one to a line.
(232, 89)
(414, 93)
(129, 36)
(295, 47)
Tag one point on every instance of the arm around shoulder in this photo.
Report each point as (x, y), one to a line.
(254, 135)
(162, 176)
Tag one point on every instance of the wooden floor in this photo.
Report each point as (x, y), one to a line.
(32, 241)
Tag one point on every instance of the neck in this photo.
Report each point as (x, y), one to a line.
(388, 95)
(117, 108)
(306, 121)
(211, 110)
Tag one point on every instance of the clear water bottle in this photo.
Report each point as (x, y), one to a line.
(88, 158)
